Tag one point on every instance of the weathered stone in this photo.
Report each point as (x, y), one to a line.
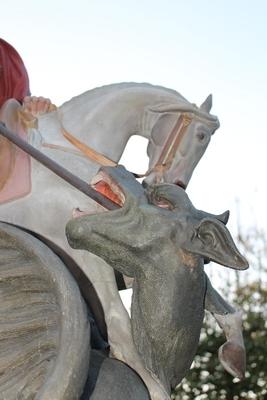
(44, 331)
(163, 249)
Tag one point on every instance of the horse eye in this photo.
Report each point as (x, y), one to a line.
(201, 136)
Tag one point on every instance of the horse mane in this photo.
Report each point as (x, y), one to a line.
(105, 89)
(174, 102)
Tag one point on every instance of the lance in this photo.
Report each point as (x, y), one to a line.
(62, 172)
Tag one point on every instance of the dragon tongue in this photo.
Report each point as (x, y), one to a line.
(105, 189)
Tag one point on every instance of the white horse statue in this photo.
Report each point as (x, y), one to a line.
(100, 122)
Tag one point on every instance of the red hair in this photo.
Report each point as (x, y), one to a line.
(14, 80)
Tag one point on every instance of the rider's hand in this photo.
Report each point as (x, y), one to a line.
(37, 105)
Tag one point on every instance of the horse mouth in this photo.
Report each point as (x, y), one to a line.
(103, 183)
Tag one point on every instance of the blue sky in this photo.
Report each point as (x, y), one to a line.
(195, 47)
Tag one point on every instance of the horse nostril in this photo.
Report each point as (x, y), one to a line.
(181, 184)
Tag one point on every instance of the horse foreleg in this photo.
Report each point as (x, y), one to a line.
(232, 353)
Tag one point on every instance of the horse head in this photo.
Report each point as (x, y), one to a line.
(179, 138)
(178, 131)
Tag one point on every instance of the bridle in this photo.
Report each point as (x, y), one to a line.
(165, 158)
(171, 144)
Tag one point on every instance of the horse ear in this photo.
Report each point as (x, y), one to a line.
(207, 104)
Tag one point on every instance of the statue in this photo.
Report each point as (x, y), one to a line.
(47, 343)
(77, 135)
(49, 138)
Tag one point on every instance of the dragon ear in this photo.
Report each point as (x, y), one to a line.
(207, 104)
(213, 241)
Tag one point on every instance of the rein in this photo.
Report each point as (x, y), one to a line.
(88, 151)
(172, 143)
(166, 156)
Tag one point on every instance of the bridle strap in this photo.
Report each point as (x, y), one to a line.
(171, 145)
(173, 141)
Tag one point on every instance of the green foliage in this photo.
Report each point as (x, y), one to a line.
(207, 379)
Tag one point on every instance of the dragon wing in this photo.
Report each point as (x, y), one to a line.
(44, 332)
